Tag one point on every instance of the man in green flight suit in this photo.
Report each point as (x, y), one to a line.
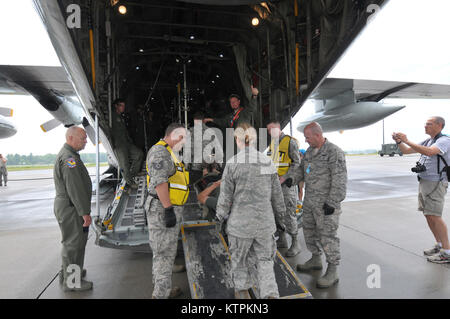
(72, 209)
(240, 114)
(123, 145)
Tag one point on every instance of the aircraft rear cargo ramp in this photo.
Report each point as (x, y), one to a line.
(208, 267)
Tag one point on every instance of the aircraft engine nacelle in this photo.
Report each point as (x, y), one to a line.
(351, 116)
(7, 129)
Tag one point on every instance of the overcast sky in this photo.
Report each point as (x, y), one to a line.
(408, 41)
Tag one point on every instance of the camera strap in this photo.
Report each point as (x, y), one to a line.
(439, 158)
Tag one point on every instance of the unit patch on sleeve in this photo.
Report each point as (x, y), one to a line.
(71, 163)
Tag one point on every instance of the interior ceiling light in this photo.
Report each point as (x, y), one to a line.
(122, 9)
(192, 37)
(220, 55)
(141, 50)
(255, 21)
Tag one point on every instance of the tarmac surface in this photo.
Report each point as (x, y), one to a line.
(382, 241)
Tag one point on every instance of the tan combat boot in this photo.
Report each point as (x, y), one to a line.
(61, 275)
(315, 263)
(178, 268)
(330, 278)
(282, 241)
(241, 294)
(175, 292)
(84, 285)
(295, 247)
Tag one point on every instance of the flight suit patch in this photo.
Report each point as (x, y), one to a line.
(71, 163)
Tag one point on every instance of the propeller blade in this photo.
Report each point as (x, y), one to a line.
(6, 112)
(50, 125)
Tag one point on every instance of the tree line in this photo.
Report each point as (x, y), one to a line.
(48, 159)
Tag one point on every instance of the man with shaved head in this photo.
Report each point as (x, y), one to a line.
(72, 209)
(324, 173)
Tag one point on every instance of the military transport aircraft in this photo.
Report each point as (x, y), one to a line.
(179, 57)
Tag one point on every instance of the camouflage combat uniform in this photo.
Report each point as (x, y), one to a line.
(3, 172)
(325, 175)
(196, 157)
(125, 150)
(250, 194)
(290, 194)
(163, 240)
(73, 189)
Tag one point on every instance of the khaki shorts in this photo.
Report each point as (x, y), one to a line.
(432, 196)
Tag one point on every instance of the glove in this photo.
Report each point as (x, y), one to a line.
(328, 210)
(170, 218)
(288, 182)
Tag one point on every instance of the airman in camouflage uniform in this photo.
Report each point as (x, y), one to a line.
(199, 141)
(162, 236)
(239, 115)
(289, 220)
(123, 145)
(250, 194)
(324, 173)
(72, 205)
(3, 170)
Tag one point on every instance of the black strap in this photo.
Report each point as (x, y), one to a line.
(154, 196)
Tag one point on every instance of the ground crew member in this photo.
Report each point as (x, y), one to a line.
(324, 172)
(123, 145)
(168, 190)
(198, 164)
(72, 205)
(240, 114)
(250, 193)
(3, 170)
(284, 153)
(433, 182)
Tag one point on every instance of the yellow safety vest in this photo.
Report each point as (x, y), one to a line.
(281, 157)
(178, 182)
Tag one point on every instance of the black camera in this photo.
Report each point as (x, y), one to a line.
(420, 168)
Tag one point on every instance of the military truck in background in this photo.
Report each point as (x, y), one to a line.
(390, 149)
